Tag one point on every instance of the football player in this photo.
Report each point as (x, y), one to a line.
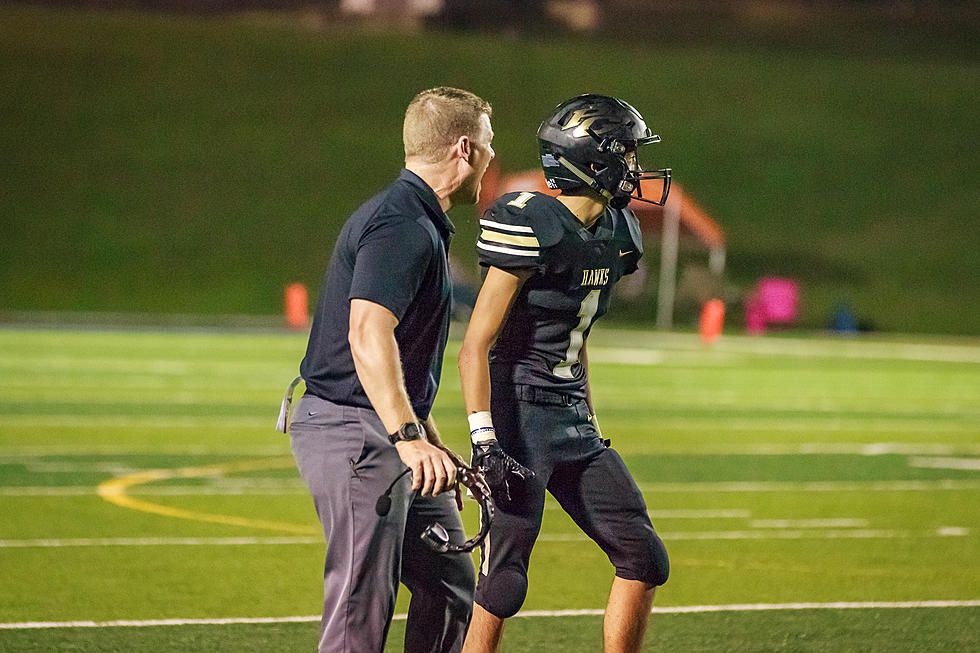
(550, 265)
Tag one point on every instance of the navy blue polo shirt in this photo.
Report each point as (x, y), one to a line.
(392, 251)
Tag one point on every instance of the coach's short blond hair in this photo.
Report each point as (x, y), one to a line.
(436, 118)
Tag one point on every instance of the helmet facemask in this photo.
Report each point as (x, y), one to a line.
(623, 175)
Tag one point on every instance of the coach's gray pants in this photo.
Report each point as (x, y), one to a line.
(345, 457)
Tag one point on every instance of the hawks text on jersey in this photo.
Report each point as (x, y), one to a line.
(574, 269)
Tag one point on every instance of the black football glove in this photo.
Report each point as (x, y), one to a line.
(497, 467)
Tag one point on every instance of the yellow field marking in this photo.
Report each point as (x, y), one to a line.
(114, 491)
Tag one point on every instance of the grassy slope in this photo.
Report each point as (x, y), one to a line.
(173, 164)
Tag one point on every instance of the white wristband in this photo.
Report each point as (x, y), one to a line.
(481, 427)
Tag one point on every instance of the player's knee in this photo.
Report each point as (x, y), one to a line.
(650, 564)
(659, 562)
(502, 594)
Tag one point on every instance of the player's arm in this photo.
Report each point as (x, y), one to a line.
(378, 365)
(493, 304)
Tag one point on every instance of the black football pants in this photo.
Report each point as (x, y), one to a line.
(551, 434)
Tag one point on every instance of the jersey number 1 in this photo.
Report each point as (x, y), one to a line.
(521, 200)
(590, 305)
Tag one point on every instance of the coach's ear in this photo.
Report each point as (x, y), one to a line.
(463, 148)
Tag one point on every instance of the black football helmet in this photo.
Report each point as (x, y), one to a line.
(592, 140)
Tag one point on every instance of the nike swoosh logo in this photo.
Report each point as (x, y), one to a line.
(311, 413)
(622, 253)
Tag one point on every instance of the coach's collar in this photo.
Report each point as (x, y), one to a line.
(429, 199)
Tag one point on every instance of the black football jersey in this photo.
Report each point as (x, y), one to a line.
(574, 271)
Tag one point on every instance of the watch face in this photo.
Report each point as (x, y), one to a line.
(412, 431)
(408, 431)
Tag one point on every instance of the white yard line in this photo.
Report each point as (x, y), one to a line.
(48, 491)
(95, 466)
(677, 514)
(819, 449)
(134, 421)
(813, 486)
(166, 490)
(677, 609)
(791, 534)
(622, 356)
(829, 422)
(881, 448)
(699, 514)
(809, 523)
(154, 541)
(856, 348)
(841, 605)
(972, 464)
(17, 453)
(727, 351)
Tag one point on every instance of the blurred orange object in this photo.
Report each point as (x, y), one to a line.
(712, 320)
(297, 314)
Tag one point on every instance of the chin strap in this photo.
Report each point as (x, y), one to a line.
(589, 181)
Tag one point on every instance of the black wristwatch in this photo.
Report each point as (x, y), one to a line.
(408, 431)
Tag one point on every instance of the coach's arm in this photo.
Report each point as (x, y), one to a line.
(378, 365)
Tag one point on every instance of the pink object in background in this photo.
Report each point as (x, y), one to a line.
(773, 300)
(755, 319)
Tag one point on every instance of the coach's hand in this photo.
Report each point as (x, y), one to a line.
(497, 467)
(432, 470)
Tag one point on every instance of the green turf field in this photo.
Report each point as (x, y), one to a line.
(818, 493)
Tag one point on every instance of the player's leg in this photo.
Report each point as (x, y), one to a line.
(485, 632)
(441, 583)
(347, 462)
(627, 613)
(600, 495)
(506, 553)
(504, 559)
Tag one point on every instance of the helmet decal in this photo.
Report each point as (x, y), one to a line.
(582, 120)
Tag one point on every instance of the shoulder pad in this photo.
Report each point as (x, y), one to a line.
(517, 229)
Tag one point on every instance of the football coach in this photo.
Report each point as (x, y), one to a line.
(372, 368)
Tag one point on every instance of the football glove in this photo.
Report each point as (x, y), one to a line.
(497, 467)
